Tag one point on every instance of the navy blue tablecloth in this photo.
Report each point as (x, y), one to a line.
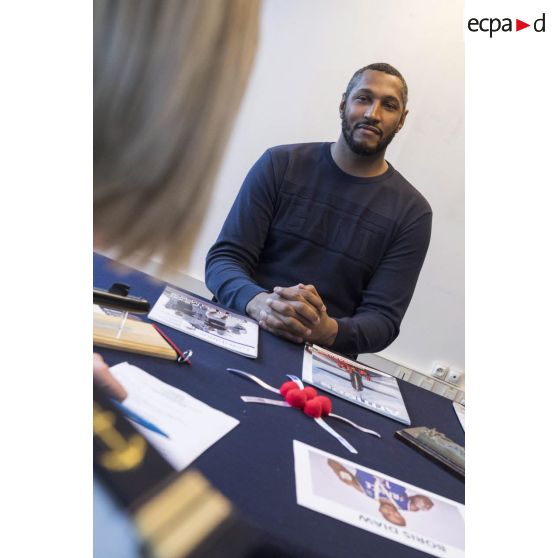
(254, 465)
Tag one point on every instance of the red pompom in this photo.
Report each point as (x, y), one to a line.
(286, 387)
(296, 398)
(326, 404)
(313, 408)
(310, 392)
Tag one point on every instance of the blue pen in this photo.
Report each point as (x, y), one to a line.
(128, 413)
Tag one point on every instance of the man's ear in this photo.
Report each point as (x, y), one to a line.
(402, 120)
(342, 104)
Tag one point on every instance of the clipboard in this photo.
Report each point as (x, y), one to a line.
(135, 337)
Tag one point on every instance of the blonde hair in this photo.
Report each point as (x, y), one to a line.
(168, 80)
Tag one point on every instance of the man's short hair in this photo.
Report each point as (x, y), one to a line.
(380, 67)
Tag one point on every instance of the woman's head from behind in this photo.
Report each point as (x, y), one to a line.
(168, 80)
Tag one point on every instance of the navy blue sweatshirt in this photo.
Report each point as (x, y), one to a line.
(298, 218)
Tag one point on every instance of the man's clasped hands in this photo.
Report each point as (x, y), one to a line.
(295, 313)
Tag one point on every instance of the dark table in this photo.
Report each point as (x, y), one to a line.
(253, 465)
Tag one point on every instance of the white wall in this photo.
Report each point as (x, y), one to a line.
(308, 51)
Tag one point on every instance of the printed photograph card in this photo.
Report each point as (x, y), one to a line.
(355, 382)
(201, 319)
(378, 503)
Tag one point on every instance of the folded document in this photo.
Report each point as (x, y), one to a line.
(190, 426)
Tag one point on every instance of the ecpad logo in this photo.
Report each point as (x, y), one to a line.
(494, 24)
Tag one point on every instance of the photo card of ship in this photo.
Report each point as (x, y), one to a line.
(355, 382)
(201, 319)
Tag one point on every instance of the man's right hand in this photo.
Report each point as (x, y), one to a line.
(291, 319)
(289, 312)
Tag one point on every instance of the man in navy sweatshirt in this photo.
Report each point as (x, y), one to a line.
(325, 241)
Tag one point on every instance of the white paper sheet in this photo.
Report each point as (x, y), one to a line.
(192, 426)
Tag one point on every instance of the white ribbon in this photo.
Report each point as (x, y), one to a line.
(328, 428)
(361, 428)
(254, 379)
(297, 380)
(250, 399)
(299, 383)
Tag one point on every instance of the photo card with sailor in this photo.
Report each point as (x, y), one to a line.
(378, 503)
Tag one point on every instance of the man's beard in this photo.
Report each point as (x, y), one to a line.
(358, 148)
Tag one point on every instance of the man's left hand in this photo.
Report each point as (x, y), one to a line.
(322, 332)
(105, 380)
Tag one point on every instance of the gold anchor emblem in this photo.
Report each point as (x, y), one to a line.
(122, 454)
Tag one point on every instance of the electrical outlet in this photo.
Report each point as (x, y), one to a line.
(454, 377)
(440, 370)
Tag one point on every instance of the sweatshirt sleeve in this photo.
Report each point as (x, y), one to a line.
(232, 260)
(375, 323)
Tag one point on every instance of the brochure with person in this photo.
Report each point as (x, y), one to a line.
(378, 503)
(206, 321)
(355, 382)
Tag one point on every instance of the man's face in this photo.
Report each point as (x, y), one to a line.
(373, 113)
(391, 514)
(420, 503)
